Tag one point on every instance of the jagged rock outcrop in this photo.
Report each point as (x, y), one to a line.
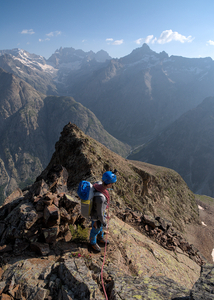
(36, 222)
(39, 218)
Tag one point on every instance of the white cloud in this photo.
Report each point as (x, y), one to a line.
(54, 33)
(169, 36)
(210, 43)
(166, 37)
(111, 41)
(27, 31)
(58, 33)
(139, 41)
(47, 39)
(149, 39)
(118, 42)
(50, 34)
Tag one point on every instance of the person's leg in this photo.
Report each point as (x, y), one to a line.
(100, 237)
(93, 236)
(101, 240)
(100, 234)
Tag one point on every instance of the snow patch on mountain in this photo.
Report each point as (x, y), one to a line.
(37, 66)
(202, 76)
(33, 61)
(200, 207)
(212, 254)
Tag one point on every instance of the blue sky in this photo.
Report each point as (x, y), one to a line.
(184, 28)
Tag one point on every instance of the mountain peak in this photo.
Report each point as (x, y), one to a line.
(74, 57)
(102, 56)
(146, 48)
(141, 53)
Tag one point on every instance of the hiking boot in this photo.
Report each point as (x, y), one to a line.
(95, 247)
(102, 241)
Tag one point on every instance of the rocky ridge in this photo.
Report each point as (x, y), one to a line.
(40, 259)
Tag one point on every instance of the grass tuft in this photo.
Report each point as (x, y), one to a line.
(79, 234)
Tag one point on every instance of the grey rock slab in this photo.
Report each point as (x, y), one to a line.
(78, 278)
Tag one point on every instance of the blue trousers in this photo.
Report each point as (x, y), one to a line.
(95, 232)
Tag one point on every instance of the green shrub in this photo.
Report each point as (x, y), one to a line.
(79, 234)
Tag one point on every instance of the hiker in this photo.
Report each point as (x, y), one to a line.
(100, 203)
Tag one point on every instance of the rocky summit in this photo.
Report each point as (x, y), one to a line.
(43, 237)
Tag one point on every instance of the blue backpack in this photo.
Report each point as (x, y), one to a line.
(86, 193)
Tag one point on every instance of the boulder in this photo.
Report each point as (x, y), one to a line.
(40, 248)
(64, 215)
(23, 279)
(78, 278)
(51, 215)
(39, 188)
(50, 234)
(151, 221)
(204, 286)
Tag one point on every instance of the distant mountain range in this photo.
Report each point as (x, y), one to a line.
(46, 76)
(135, 97)
(30, 124)
(187, 146)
